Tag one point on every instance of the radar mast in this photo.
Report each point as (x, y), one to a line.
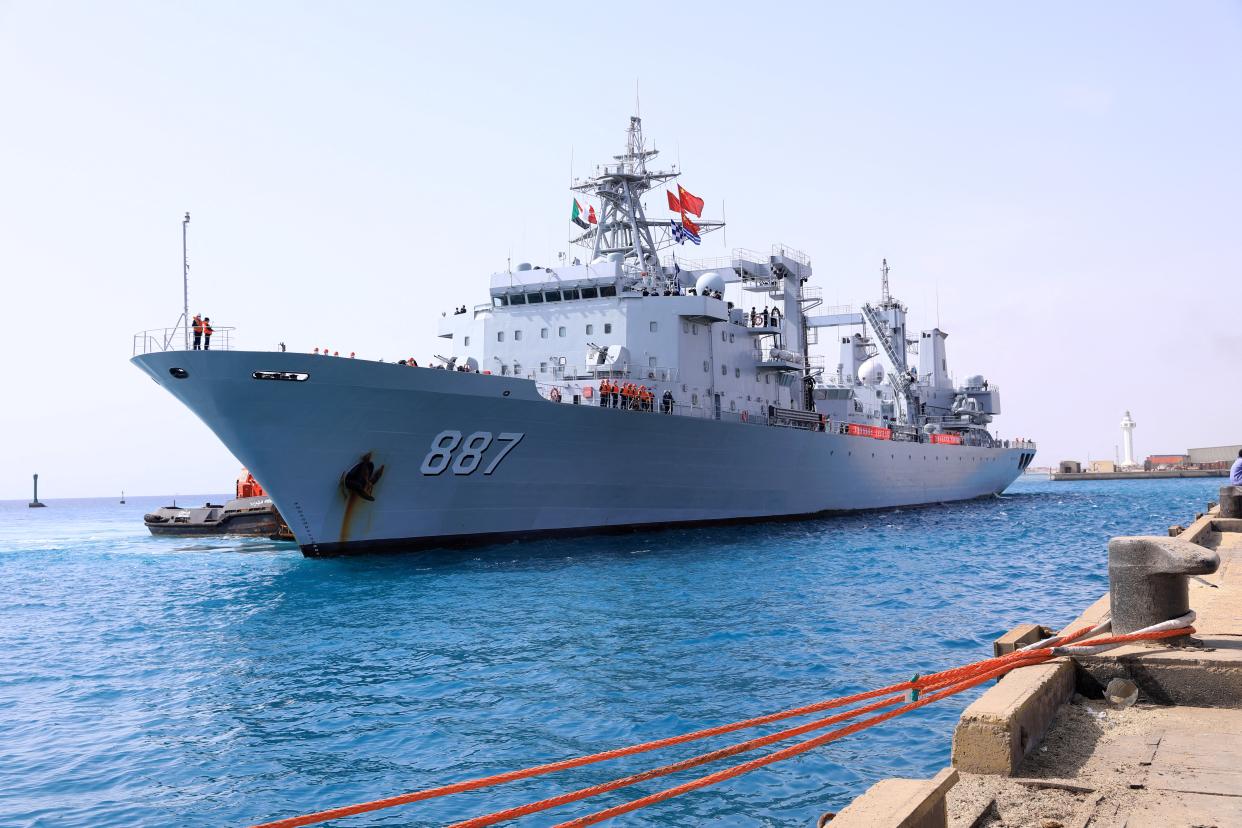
(623, 224)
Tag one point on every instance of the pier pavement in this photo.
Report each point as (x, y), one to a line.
(1034, 750)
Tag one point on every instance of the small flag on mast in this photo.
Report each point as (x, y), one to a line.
(683, 234)
(576, 216)
(673, 203)
(690, 203)
(591, 215)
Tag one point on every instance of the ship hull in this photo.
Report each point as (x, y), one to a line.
(460, 458)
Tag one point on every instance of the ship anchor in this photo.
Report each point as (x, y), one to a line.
(361, 478)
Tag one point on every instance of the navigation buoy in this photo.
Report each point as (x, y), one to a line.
(122, 497)
(35, 503)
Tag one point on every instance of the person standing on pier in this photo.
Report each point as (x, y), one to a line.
(198, 331)
(207, 333)
(1235, 473)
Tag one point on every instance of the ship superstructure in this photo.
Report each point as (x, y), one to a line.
(624, 388)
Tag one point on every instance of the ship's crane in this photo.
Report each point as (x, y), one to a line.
(896, 366)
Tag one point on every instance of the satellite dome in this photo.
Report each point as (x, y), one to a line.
(712, 281)
(974, 381)
(871, 372)
(523, 266)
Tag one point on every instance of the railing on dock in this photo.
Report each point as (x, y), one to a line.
(159, 340)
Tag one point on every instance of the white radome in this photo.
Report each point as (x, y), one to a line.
(709, 282)
(871, 372)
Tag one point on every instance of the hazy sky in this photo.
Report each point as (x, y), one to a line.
(1066, 177)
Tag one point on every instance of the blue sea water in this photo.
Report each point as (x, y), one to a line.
(156, 681)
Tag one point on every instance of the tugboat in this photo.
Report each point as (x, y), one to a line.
(250, 512)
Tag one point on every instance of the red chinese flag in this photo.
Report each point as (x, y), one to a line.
(673, 204)
(692, 203)
(689, 225)
(591, 216)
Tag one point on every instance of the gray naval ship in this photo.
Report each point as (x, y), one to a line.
(713, 407)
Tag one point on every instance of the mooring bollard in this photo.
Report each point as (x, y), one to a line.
(1148, 579)
(1230, 502)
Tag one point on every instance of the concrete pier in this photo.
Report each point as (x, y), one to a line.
(1159, 474)
(1045, 747)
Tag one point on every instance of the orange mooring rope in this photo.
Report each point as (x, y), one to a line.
(940, 685)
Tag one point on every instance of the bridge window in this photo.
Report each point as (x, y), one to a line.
(607, 327)
(590, 293)
(552, 295)
(608, 290)
(500, 301)
(569, 294)
(517, 299)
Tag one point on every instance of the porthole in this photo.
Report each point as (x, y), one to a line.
(179, 373)
(506, 393)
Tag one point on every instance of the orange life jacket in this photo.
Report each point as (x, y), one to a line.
(198, 325)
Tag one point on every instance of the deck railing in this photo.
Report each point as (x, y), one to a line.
(158, 340)
(807, 421)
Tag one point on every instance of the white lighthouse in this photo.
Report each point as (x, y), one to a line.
(1127, 440)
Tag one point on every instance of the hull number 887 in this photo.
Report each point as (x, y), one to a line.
(449, 450)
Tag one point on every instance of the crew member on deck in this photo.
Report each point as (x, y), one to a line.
(198, 331)
(207, 333)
